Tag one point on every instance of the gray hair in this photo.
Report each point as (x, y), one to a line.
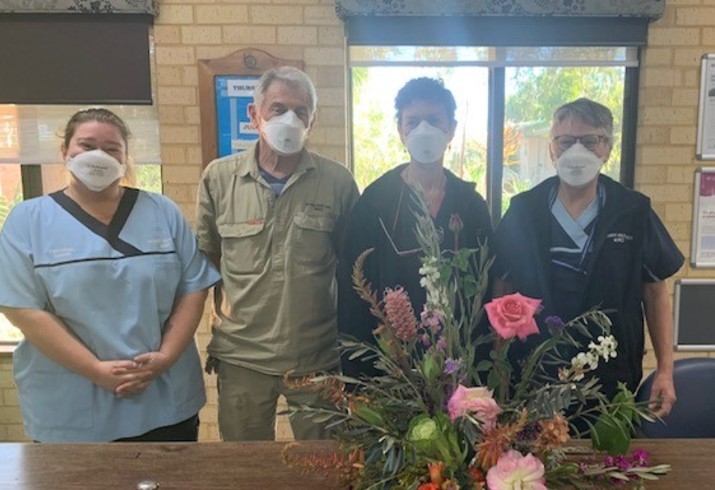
(293, 77)
(586, 110)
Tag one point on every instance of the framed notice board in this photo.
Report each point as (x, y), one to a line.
(702, 252)
(694, 321)
(706, 109)
(234, 129)
(225, 91)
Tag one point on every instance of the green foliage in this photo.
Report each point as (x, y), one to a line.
(612, 430)
(148, 178)
(540, 91)
(6, 204)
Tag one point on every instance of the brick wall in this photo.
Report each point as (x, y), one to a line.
(10, 418)
(668, 113)
(187, 31)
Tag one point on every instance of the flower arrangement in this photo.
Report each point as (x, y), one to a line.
(451, 412)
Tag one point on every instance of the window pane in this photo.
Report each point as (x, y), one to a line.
(376, 142)
(39, 130)
(532, 95)
(417, 54)
(10, 194)
(148, 178)
(493, 56)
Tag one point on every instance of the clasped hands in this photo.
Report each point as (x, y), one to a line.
(131, 377)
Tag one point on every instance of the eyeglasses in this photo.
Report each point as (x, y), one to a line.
(589, 141)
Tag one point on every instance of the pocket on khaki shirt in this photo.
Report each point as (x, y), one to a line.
(313, 239)
(243, 246)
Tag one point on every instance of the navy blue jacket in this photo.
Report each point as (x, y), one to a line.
(629, 240)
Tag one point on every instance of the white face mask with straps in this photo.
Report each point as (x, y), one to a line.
(427, 143)
(285, 134)
(96, 169)
(578, 166)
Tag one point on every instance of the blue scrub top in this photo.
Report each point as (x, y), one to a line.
(116, 302)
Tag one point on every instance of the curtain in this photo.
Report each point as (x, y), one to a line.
(80, 6)
(652, 9)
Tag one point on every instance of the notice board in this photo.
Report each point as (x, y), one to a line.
(225, 91)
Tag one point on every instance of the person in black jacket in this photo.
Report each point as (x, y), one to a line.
(384, 216)
(581, 240)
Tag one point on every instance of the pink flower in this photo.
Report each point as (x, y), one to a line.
(514, 471)
(400, 313)
(475, 401)
(512, 315)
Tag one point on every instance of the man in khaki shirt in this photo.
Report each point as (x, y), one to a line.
(270, 218)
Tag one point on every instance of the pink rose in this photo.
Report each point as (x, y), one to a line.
(475, 401)
(512, 315)
(516, 471)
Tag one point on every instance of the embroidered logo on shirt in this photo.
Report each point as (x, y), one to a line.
(161, 243)
(318, 208)
(59, 253)
(619, 237)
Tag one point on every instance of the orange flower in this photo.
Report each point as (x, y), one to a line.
(496, 441)
(435, 472)
(428, 486)
(478, 478)
(554, 433)
(491, 448)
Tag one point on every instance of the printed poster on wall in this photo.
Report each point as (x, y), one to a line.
(233, 126)
(703, 240)
(705, 146)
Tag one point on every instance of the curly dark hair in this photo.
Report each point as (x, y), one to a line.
(425, 89)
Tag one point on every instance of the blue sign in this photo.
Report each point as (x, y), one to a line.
(234, 129)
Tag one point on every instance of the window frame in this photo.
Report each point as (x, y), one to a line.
(507, 31)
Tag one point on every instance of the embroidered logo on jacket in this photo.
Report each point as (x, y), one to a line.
(619, 237)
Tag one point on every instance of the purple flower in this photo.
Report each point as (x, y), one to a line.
(639, 457)
(555, 324)
(442, 343)
(623, 463)
(431, 320)
(450, 367)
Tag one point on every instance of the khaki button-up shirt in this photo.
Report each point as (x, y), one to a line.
(278, 259)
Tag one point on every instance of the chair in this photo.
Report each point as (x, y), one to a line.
(693, 415)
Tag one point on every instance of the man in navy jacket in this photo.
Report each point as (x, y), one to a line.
(581, 240)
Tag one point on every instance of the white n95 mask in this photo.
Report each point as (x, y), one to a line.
(96, 169)
(578, 166)
(285, 134)
(426, 143)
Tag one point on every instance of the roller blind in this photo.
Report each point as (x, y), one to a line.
(75, 59)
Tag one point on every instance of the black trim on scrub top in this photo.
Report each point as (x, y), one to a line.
(109, 232)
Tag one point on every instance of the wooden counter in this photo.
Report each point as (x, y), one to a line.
(257, 465)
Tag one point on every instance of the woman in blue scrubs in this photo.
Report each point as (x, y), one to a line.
(108, 287)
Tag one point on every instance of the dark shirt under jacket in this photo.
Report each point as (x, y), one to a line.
(384, 219)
